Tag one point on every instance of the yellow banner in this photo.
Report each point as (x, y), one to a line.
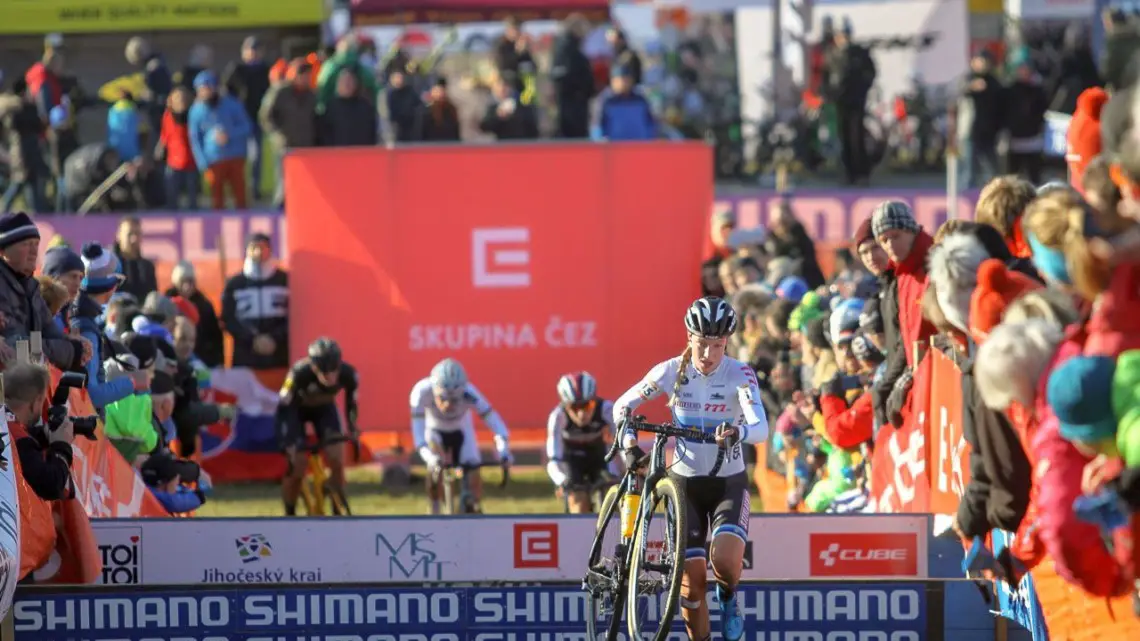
(39, 17)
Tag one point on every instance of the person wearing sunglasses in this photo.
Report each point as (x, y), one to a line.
(308, 396)
(721, 396)
(443, 431)
(575, 440)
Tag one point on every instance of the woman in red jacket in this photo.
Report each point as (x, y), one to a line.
(174, 148)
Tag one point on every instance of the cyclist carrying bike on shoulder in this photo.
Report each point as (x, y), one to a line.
(443, 431)
(308, 396)
(712, 392)
(576, 440)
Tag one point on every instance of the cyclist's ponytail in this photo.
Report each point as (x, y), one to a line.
(686, 358)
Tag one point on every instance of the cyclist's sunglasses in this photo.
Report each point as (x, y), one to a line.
(585, 406)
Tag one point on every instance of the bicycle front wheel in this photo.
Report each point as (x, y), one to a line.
(606, 575)
(657, 563)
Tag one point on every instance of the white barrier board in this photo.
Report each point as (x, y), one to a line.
(9, 519)
(460, 549)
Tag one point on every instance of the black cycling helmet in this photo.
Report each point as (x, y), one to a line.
(710, 317)
(324, 354)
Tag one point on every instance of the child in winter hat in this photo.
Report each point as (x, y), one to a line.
(997, 288)
(1126, 406)
(1080, 394)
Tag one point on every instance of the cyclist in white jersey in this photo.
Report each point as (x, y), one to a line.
(719, 395)
(443, 431)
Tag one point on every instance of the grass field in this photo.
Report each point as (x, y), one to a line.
(529, 492)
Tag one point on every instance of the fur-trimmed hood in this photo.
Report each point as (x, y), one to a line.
(953, 270)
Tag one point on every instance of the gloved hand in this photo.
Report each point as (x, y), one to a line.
(897, 400)
(1104, 509)
(727, 435)
(431, 459)
(631, 456)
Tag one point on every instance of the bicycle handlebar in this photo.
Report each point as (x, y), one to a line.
(639, 424)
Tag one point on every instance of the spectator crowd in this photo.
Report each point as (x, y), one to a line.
(1035, 302)
(144, 357)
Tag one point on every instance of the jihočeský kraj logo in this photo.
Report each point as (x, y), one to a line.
(411, 556)
(257, 565)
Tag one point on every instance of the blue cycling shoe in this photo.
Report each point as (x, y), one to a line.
(731, 621)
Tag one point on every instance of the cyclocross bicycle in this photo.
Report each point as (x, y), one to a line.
(314, 487)
(623, 581)
(463, 501)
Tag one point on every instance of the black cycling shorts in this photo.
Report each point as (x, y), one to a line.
(723, 502)
(324, 419)
(586, 463)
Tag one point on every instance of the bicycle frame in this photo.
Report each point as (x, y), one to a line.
(446, 478)
(314, 490)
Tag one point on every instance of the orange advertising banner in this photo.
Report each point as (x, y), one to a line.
(949, 452)
(523, 262)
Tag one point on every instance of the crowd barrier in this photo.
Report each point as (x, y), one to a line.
(487, 578)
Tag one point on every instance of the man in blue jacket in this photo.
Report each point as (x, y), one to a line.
(622, 112)
(219, 130)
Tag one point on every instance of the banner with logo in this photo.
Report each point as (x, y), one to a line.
(899, 478)
(897, 611)
(949, 451)
(434, 549)
(1020, 605)
(534, 260)
(37, 17)
(9, 518)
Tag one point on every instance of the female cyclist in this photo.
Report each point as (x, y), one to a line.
(576, 439)
(718, 394)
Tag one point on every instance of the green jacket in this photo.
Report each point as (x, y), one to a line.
(128, 426)
(331, 68)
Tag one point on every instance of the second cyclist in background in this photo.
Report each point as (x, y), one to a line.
(308, 396)
(443, 431)
(576, 440)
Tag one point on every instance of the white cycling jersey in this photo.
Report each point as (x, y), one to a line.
(427, 417)
(729, 394)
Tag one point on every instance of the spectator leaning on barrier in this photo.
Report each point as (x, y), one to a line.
(21, 302)
(210, 347)
(165, 475)
(259, 325)
(621, 112)
(219, 136)
(102, 277)
(45, 453)
(65, 267)
(349, 119)
(139, 271)
(1001, 205)
(907, 246)
(127, 423)
(190, 412)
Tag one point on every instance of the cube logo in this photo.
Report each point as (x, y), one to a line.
(536, 545)
(864, 555)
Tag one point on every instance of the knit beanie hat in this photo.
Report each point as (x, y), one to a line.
(844, 321)
(102, 272)
(792, 288)
(1012, 360)
(158, 307)
(15, 228)
(954, 264)
(809, 309)
(893, 214)
(1083, 138)
(871, 319)
(866, 351)
(61, 260)
(1080, 394)
(144, 350)
(1126, 406)
(863, 234)
(997, 287)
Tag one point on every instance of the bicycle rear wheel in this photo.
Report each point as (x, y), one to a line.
(655, 576)
(606, 576)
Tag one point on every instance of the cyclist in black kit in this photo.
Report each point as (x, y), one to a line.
(576, 440)
(309, 396)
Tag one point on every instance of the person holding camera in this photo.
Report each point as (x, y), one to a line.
(44, 449)
(101, 278)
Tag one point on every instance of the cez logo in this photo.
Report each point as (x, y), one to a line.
(119, 552)
(487, 264)
(859, 555)
(413, 557)
(536, 545)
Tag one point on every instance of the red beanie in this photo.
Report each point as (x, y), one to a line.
(1084, 140)
(997, 287)
(186, 308)
(864, 234)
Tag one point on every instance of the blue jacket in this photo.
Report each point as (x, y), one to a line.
(624, 117)
(180, 502)
(230, 115)
(123, 123)
(101, 391)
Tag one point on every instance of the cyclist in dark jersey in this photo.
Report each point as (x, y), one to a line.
(576, 439)
(308, 396)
